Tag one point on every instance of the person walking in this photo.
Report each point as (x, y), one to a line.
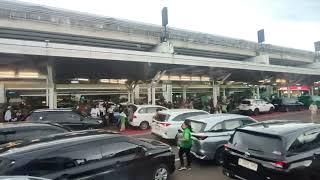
(185, 144)
(123, 118)
(314, 110)
(8, 115)
(95, 112)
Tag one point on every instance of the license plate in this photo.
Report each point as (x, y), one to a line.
(248, 164)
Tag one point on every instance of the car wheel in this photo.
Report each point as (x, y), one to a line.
(256, 112)
(161, 173)
(219, 156)
(144, 125)
(271, 110)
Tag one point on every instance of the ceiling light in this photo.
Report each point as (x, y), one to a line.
(7, 74)
(74, 82)
(28, 74)
(81, 79)
(195, 78)
(105, 80)
(205, 78)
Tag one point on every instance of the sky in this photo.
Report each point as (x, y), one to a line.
(290, 23)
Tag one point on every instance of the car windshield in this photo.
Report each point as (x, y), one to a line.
(252, 142)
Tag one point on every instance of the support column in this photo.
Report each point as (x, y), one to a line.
(169, 92)
(129, 97)
(258, 92)
(215, 94)
(224, 93)
(52, 94)
(136, 97)
(312, 91)
(153, 94)
(149, 95)
(3, 98)
(289, 92)
(184, 93)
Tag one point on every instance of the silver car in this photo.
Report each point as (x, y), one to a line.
(211, 132)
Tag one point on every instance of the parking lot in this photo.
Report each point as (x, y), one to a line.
(204, 170)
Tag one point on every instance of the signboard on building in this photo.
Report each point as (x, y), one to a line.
(317, 46)
(261, 38)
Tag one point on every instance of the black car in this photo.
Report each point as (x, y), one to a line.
(65, 117)
(274, 150)
(93, 154)
(288, 104)
(18, 131)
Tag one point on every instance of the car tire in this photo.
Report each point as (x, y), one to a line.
(256, 112)
(161, 173)
(271, 110)
(219, 156)
(144, 125)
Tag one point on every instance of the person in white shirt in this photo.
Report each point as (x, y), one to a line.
(8, 114)
(95, 112)
(314, 110)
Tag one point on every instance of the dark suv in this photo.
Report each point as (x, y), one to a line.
(18, 131)
(274, 150)
(65, 117)
(94, 154)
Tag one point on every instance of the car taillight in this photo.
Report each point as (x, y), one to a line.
(280, 164)
(200, 137)
(166, 124)
(226, 147)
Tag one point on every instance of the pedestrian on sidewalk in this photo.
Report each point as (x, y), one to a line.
(314, 111)
(185, 144)
(123, 119)
(8, 114)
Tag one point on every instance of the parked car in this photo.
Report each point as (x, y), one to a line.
(93, 154)
(19, 131)
(255, 106)
(167, 123)
(143, 115)
(65, 117)
(274, 151)
(288, 104)
(212, 131)
(21, 178)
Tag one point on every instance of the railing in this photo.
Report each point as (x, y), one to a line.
(56, 16)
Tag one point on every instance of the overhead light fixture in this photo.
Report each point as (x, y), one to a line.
(165, 78)
(81, 79)
(175, 78)
(195, 78)
(205, 78)
(245, 83)
(122, 81)
(298, 84)
(74, 82)
(185, 78)
(7, 74)
(28, 74)
(104, 80)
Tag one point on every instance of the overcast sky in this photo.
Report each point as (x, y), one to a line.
(291, 23)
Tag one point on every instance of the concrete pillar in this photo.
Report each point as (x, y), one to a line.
(224, 93)
(184, 93)
(312, 91)
(215, 90)
(136, 93)
(52, 94)
(149, 95)
(167, 92)
(289, 92)
(153, 95)
(258, 92)
(3, 98)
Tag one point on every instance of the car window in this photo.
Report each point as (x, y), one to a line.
(247, 121)
(180, 117)
(63, 117)
(118, 149)
(217, 128)
(64, 158)
(36, 116)
(232, 125)
(152, 109)
(306, 142)
(198, 126)
(143, 110)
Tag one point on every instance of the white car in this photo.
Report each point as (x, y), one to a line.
(255, 106)
(167, 123)
(143, 115)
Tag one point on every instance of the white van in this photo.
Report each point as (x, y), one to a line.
(143, 115)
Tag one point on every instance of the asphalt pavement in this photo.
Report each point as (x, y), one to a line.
(207, 170)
